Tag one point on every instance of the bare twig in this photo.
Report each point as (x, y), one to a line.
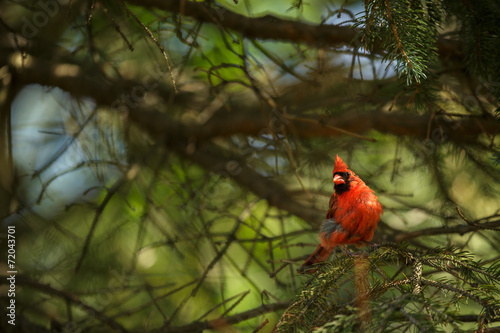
(110, 192)
(460, 229)
(237, 318)
(72, 298)
(153, 38)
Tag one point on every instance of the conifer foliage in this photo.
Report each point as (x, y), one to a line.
(396, 289)
(405, 32)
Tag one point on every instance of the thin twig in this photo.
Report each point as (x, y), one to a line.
(396, 35)
(153, 38)
(318, 122)
(261, 326)
(460, 229)
(97, 216)
(68, 297)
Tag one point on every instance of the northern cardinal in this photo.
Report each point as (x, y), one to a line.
(353, 215)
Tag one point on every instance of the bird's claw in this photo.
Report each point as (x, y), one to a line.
(351, 253)
(374, 246)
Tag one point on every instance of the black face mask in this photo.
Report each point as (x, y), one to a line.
(341, 188)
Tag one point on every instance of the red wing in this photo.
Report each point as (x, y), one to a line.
(332, 206)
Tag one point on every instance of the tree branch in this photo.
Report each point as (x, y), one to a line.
(275, 28)
(246, 121)
(71, 298)
(230, 320)
(460, 229)
(215, 159)
(265, 27)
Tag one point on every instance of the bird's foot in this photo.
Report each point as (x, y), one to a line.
(352, 254)
(374, 246)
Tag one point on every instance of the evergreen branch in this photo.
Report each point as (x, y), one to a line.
(459, 262)
(395, 33)
(319, 305)
(416, 322)
(483, 302)
(407, 34)
(313, 295)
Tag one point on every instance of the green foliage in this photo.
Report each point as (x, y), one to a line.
(480, 33)
(405, 32)
(395, 289)
(496, 158)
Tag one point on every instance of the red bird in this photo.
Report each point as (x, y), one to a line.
(353, 215)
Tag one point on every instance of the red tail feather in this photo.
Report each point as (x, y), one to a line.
(319, 255)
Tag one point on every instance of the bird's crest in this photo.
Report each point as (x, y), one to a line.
(340, 166)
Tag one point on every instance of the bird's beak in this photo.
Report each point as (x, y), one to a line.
(337, 179)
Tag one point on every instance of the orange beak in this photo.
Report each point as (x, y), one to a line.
(337, 179)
